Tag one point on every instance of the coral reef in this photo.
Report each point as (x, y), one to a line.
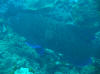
(16, 56)
(23, 71)
(58, 27)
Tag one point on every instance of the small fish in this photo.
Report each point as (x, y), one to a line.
(40, 50)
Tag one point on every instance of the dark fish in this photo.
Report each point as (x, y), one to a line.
(40, 50)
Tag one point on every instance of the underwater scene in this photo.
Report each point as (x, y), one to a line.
(49, 36)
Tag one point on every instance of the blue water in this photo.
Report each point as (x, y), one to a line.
(81, 62)
(68, 27)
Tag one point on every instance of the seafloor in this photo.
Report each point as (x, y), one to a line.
(16, 57)
(67, 34)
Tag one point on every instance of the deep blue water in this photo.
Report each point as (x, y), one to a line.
(50, 28)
